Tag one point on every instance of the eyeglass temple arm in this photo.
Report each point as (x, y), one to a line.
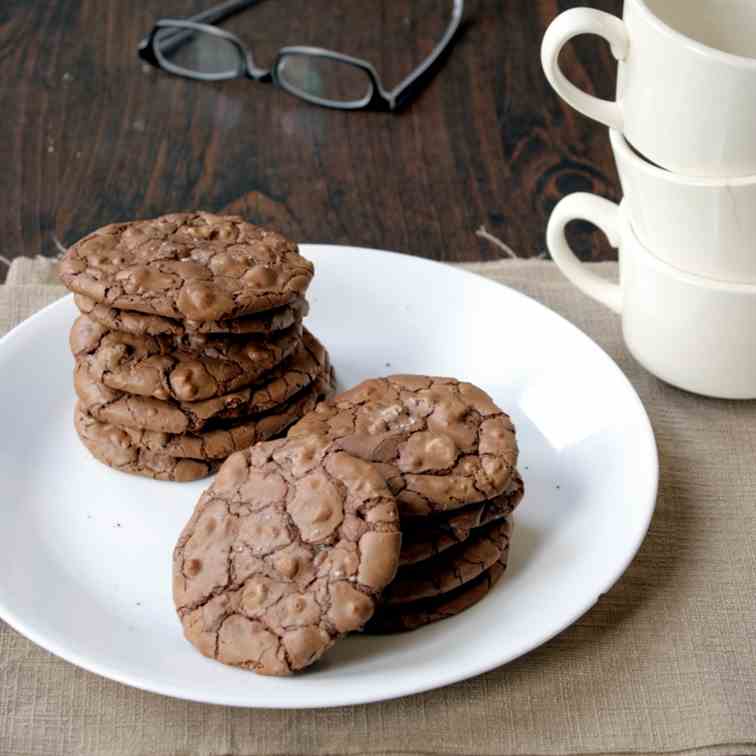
(406, 88)
(170, 42)
(221, 12)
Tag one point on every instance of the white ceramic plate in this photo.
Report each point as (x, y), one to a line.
(85, 552)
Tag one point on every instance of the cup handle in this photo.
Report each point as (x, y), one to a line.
(601, 213)
(570, 24)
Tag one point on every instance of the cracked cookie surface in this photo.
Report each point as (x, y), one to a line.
(288, 550)
(112, 447)
(220, 441)
(187, 368)
(188, 266)
(441, 444)
(453, 568)
(141, 324)
(426, 537)
(109, 405)
(405, 617)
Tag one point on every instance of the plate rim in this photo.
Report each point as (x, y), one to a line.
(361, 697)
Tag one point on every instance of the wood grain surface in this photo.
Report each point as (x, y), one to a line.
(88, 135)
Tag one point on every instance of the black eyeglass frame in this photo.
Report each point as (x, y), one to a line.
(378, 97)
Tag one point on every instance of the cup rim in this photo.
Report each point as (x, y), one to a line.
(699, 47)
(625, 153)
(670, 271)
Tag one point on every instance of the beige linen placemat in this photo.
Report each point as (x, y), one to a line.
(665, 662)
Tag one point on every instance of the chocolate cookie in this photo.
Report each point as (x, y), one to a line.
(440, 444)
(141, 324)
(288, 550)
(112, 447)
(405, 617)
(306, 365)
(426, 537)
(188, 266)
(452, 569)
(186, 368)
(223, 440)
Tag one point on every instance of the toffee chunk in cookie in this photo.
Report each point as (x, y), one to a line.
(288, 550)
(441, 444)
(188, 266)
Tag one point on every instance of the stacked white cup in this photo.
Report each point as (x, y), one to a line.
(683, 133)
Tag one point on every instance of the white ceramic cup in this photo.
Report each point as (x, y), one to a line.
(692, 332)
(700, 225)
(686, 84)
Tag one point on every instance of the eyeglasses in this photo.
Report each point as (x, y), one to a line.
(197, 49)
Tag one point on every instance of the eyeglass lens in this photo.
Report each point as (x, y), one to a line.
(324, 79)
(196, 52)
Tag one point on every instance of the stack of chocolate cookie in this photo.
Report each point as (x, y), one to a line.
(449, 455)
(448, 562)
(382, 510)
(190, 343)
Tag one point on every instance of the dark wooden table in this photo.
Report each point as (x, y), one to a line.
(89, 136)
